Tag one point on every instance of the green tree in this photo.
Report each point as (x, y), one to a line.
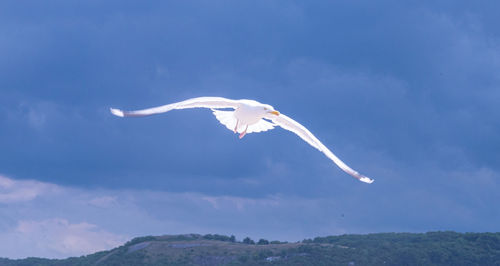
(263, 242)
(248, 241)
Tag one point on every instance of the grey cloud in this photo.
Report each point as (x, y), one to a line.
(405, 93)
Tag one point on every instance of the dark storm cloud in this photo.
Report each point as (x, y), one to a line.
(405, 93)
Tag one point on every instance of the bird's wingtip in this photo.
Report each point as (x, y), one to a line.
(366, 180)
(116, 112)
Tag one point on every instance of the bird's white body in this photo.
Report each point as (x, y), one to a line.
(247, 116)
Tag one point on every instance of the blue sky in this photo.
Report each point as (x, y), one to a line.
(406, 93)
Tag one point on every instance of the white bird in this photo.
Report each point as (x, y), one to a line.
(247, 116)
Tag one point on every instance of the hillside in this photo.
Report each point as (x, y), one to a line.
(433, 248)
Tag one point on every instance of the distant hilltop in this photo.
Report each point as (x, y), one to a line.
(433, 248)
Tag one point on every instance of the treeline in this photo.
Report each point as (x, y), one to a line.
(188, 237)
(433, 248)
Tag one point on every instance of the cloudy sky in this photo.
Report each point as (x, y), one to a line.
(407, 93)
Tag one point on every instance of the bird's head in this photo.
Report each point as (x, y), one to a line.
(270, 110)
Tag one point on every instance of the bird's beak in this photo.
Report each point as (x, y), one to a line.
(275, 112)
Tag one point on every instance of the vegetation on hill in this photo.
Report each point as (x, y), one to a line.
(433, 248)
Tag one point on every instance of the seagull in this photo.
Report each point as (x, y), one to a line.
(244, 117)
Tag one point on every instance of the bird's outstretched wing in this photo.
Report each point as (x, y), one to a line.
(292, 125)
(206, 102)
